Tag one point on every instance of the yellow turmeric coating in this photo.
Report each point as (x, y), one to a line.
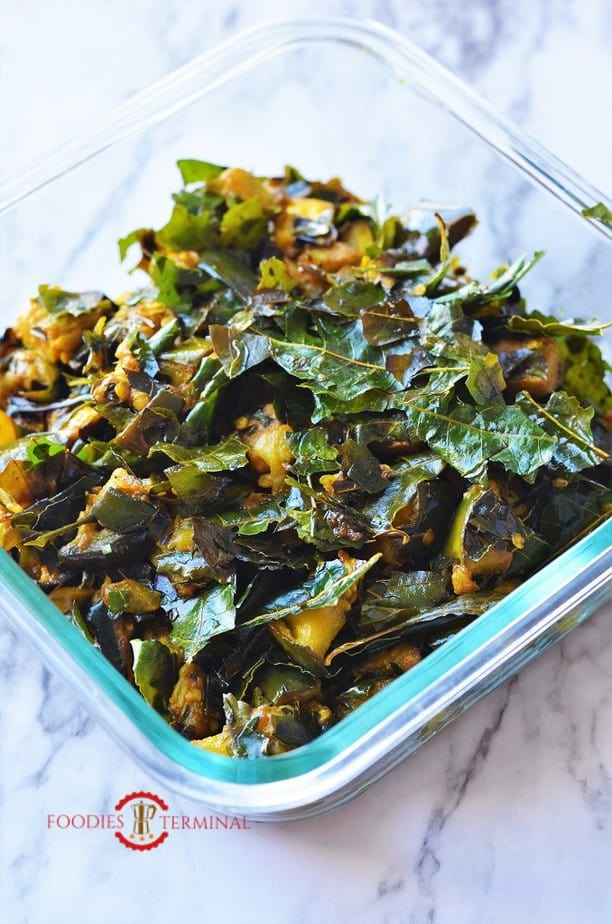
(316, 629)
(56, 336)
(269, 452)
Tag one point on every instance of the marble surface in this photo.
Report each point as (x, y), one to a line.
(507, 815)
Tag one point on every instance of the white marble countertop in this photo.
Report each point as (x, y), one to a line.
(506, 816)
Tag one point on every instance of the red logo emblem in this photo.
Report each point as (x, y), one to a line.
(147, 831)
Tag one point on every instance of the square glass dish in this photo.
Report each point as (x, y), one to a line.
(332, 97)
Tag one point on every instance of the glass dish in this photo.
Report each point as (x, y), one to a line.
(356, 99)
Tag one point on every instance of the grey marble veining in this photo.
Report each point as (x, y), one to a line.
(506, 815)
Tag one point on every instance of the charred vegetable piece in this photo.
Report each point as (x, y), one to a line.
(483, 539)
(307, 452)
(532, 364)
(189, 705)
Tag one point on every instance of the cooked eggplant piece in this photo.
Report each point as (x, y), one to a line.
(113, 635)
(532, 364)
(419, 528)
(390, 662)
(189, 705)
(483, 539)
(269, 453)
(55, 323)
(29, 374)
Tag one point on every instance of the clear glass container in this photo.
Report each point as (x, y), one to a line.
(330, 96)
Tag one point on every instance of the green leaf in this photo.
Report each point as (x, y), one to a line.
(201, 618)
(537, 323)
(244, 225)
(187, 230)
(401, 489)
(121, 512)
(154, 672)
(312, 452)
(328, 369)
(485, 380)
(407, 592)
(274, 275)
(468, 438)
(600, 212)
(242, 722)
(229, 269)
(41, 448)
(429, 615)
(323, 522)
(324, 588)
(386, 323)
(57, 301)
(570, 426)
(226, 456)
(362, 468)
(300, 654)
(250, 521)
(408, 269)
(351, 297)
(134, 237)
(141, 348)
(585, 373)
(238, 350)
(501, 287)
(165, 275)
(198, 171)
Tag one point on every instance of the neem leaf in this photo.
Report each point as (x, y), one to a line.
(154, 671)
(329, 369)
(585, 373)
(226, 456)
(274, 275)
(537, 323)
(250, 521)
(40, 448)
(485, 380)
(134, 237)
(229, 269)
(238, 350)
(166, 275)
(362, 468)
(198, 171)
(121, 512)
(387, 323)
(432, 614)
(187, 230)
(351, 297)
(242, 722)
(468, 438)
(141, 348)
(570, 426)
(408, 592)
(244, 225)
(299, 653)
(57, 301)
(500, 287)
(400, 489)
(201, 618)
(312, 452)
(324, 588)
(600, 212)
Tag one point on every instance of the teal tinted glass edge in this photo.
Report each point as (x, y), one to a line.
(44, 617)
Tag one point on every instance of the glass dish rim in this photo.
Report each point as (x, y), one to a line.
(164, 98)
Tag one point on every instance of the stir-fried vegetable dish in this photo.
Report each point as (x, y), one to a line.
(310, 450)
